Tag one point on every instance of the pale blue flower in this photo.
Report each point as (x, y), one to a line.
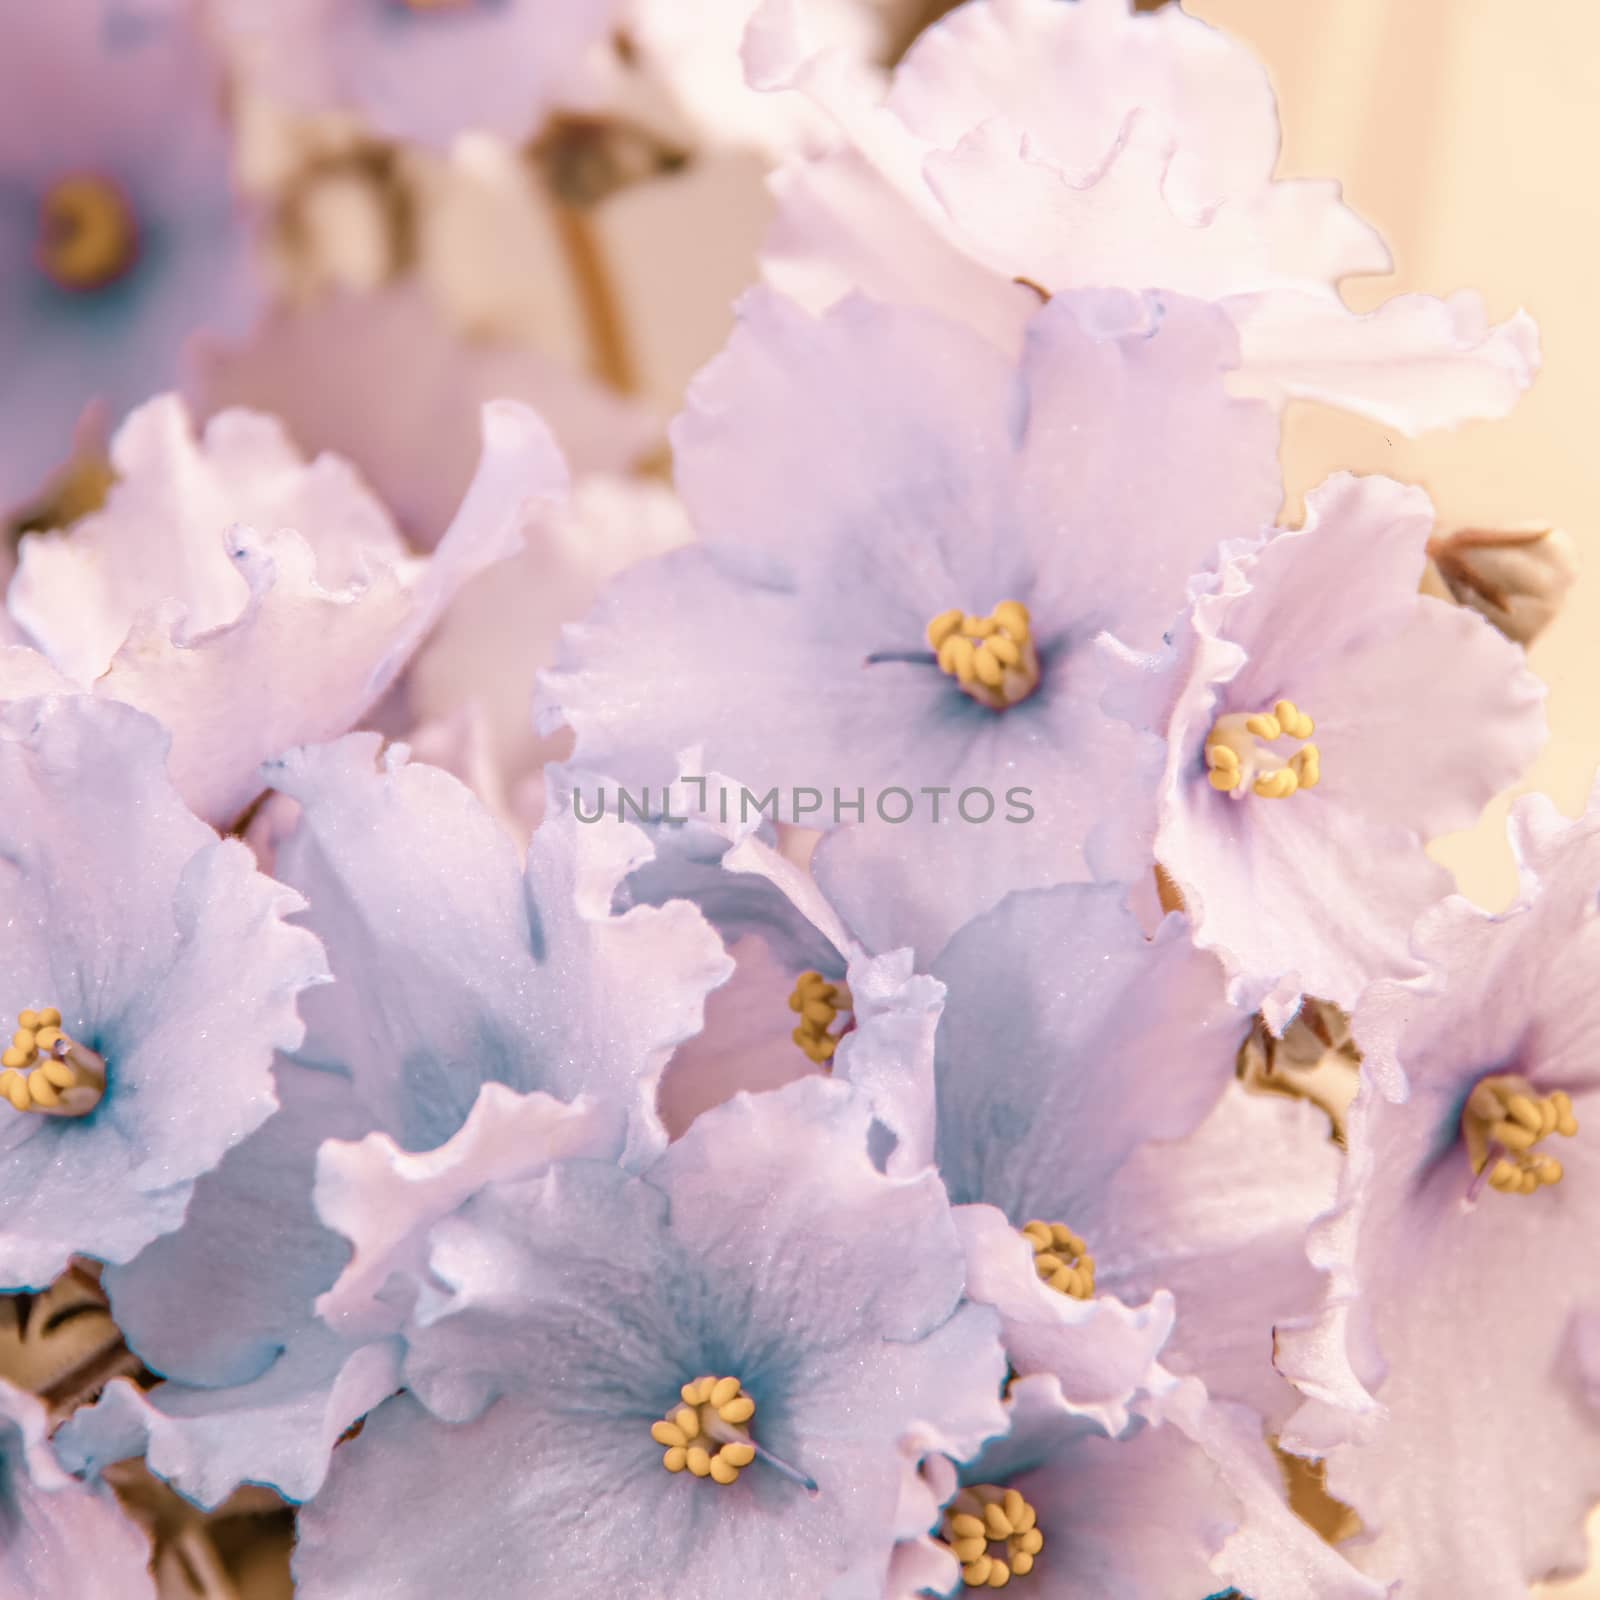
(567, 1314)
(174, 977)
(859, 477)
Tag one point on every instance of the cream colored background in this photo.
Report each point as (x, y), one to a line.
(1466, 130)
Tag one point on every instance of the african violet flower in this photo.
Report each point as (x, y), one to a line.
(914, 627)
(120, 234)
(713, 1378)
(1460, 1328)
(805, 996)
(1033, 143)
(152, 976)
(454, 966)
(1326, 720)
(424, 70)
(246, 599)
(1080, 1102)
(367, 376)
(60, 1540)
(1143, 1515)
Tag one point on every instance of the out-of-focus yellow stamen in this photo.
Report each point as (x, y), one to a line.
(1239, 762)
(44, 1070)
(1502, 1122)
(993, 657)
(709, 1434)
(820, 1004)
(994, 1534)
(88, 237)
(1061, 1258)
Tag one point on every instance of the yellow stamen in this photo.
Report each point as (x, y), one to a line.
(985, 1517)
(993, 657)
(45, 1070)
(820, 1004)
(709, 1433)
(1238, 761)
(87, 234)
(1502, 1123)
(437, 5)
(1061, 1258)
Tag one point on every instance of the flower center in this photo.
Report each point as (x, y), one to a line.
(993, 1533)
(1061, 1258)
(708, 1432)
(1502, 1122)
(46, 1071)
(992, 657)
(87, 234)
(820, 1003)
(1239, 762)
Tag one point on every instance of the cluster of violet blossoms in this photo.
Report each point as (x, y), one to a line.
(871, 1021)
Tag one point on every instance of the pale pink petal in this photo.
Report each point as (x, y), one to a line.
(1415, 363)
(384, 1199)
(299, 661)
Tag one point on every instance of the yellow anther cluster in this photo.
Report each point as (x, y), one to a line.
(1502, 1122)
(985, 1516)
(1239, 763)
(820, 1003)
(709, 1433)
(1061, 1258)
(44, 1070)
(992, 657)
(87, 234)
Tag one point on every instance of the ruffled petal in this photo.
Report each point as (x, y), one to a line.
(317, 658)
(159, 539)
(1219, 1220)
(455, 968)
(1027, 217)
(61, 1540)
(384, 1200)
(279, 1429)
(1415, 363)
(1101, 1351)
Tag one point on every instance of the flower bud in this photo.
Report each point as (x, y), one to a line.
(1516, 577)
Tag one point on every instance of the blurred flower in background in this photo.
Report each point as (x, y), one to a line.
(122, 233)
